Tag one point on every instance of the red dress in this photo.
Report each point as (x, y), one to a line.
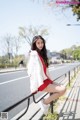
(47, 81)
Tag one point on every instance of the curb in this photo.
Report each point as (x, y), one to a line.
(11, 70)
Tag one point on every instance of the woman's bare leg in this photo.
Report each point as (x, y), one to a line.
(58, 91)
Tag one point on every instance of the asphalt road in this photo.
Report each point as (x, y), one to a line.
(14, 86)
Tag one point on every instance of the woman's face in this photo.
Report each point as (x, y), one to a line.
(39, 44)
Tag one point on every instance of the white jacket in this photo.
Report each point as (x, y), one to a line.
(35, 71)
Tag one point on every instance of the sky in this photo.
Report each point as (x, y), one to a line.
(16, 13)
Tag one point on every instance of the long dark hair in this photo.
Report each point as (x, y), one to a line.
(43, 52)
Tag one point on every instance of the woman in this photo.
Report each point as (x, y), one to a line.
(40, 79)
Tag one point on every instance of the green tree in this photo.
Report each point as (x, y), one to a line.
(76, 54)
(72, 52)
(76, 11)
(64, 54)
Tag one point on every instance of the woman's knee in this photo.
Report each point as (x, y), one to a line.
(63, 90)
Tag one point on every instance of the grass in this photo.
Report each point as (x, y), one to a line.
(50, 116)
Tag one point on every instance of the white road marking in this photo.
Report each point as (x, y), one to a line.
(13, 80)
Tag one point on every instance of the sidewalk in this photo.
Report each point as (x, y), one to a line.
(69, 106)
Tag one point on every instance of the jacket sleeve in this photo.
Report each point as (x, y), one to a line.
(33, 64)
(30, 64)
